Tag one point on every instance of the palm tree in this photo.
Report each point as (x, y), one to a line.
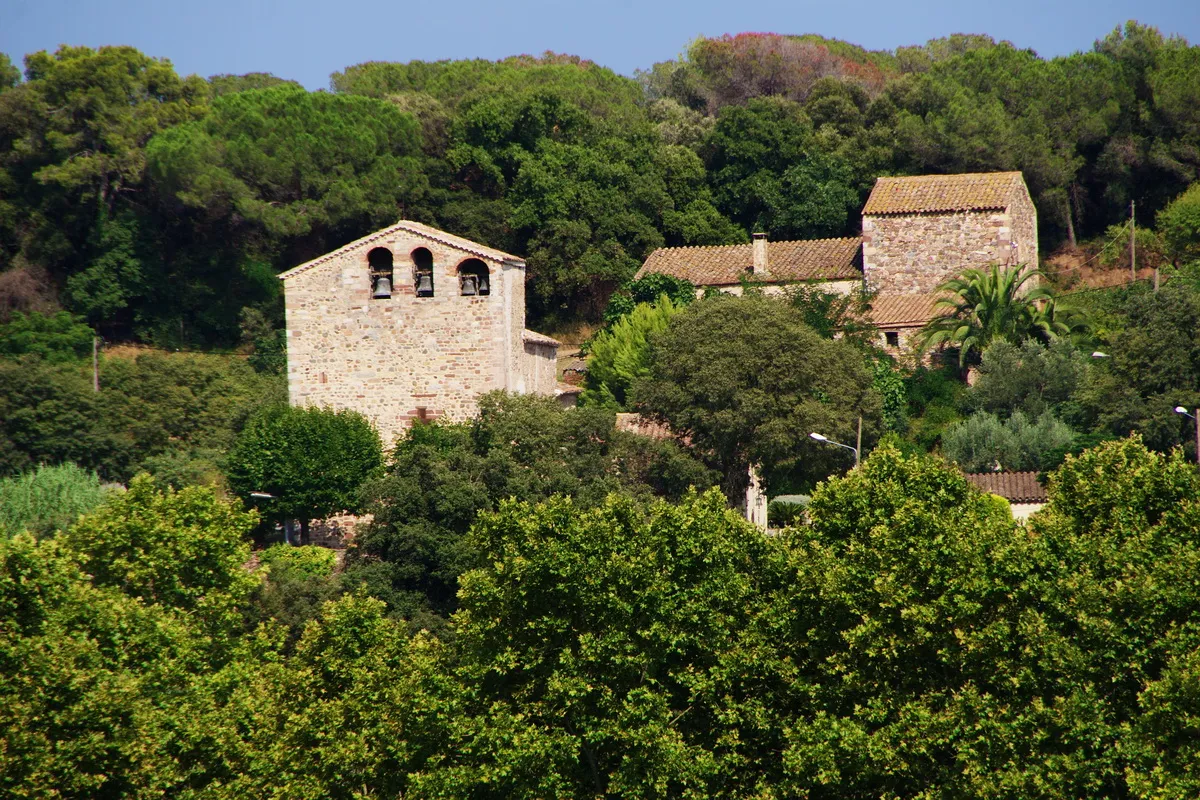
(984, 305)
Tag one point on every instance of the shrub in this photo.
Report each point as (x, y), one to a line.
(48, 499)
(311, 561)
(982, 441)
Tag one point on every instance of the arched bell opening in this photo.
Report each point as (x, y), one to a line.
(423, 272)
(474, 279)
(380, 262)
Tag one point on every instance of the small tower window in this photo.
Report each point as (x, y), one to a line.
(892, 338)
(380, 262)
(473, 278)
(423, 272)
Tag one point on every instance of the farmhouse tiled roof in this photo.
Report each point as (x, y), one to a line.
(726, 265)
(1015, 487)
(421, 229)
(977, 191)
(533, 337)
(903, 310)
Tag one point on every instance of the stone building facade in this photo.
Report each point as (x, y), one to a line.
(920, 231)
(411, 323)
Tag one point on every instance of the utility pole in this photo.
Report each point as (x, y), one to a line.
(858, 442)
(95, 364)
(1198, 435)
(1132, 241)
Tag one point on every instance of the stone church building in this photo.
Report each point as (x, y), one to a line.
(411, 323)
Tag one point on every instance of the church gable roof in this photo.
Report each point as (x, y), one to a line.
(725, 265)
(917, 194)
(407, 226)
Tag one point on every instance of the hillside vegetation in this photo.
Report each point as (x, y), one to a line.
(160, 207)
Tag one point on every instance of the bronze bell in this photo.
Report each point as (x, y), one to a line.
(469, 287)
(383, 287)
(424, 284)
(484, 286)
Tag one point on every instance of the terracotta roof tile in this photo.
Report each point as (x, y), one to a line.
(903, 310)
(457, 242)
(978, 191)
(726, 265)
(1015, 487)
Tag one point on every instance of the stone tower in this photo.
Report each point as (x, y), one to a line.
(411, 323)
(920, 231)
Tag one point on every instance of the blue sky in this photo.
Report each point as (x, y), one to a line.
(306, 40)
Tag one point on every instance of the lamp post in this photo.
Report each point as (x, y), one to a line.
(826, 440)
(1196, 417)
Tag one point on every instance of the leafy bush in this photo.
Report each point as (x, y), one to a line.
(1030, 377)
(1179, 225)
(55, 337)
(981, 441)
(621, 354)
(313, 562)
(647, 290)
(48, 499)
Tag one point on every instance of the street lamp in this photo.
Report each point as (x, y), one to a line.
(1098, 354)
(826, 440)
(1196, 417)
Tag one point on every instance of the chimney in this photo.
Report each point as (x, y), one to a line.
(760, 254)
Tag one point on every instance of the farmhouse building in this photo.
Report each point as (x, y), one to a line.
(1022, 490)
(832, 263)
(411, 323)
(898, 318)
(920, 231)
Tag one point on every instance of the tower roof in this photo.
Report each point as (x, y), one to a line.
(916, 194)
(418, 228)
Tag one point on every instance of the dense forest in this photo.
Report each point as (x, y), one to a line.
(159, 207)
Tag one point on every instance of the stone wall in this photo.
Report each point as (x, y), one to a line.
(1024, 232)
(540, 367)
(914, 253)
(404, 357)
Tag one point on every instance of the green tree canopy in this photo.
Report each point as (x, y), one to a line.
(53, 337)
(747, 381)
(306, 169)
(620, 355)
(311, 461)
(525, 447)
(768, 173)
(185, 549)
(1029, 377)
(1179, 226)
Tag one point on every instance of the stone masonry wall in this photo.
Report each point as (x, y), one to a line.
(1024, 232)
(540, 368)
(914, 253)
(400, 358)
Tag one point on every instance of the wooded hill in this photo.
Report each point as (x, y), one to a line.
(160, 207)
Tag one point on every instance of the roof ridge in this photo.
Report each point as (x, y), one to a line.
(429, 232)
(856, 238)
(935, 175)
